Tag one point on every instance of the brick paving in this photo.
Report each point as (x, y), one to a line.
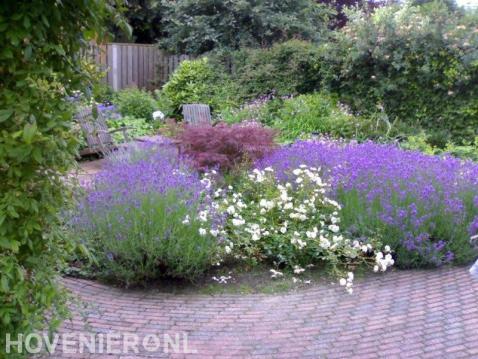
(401, 314)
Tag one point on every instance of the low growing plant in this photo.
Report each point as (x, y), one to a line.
(135, 103)
(225, 146)
(146, 217)
(295, 225)
(427, 206)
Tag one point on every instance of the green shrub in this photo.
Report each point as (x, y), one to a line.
(286, 68)
(320, 113)
(196, 81)
(288, 221)
(137, 127)
(135, 103)
(417, 63)
(40, 67)
(468, 150)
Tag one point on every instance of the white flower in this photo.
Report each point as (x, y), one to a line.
(298, 269)
(276, 274)
(202, 231)
(334, 228)
(342, 281)
(299, 180)
(387, 249)
(231, 210)
(283, 230)
(186, 219)
(238, 222)
(324, 242)
(297, 171)
(311, 235)
(256, 237)
(375, 268)
(227, 249)
(364, 248)
(350, 290)
(203, 216)
(214, 232)
(350, 276)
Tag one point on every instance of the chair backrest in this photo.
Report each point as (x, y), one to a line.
(196, 113)
(95, 130)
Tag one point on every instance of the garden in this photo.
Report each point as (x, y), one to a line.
(334, 150)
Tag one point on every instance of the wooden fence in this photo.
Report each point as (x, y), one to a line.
(140, 65)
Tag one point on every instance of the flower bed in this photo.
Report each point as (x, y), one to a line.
(426, 207)
(146, 216)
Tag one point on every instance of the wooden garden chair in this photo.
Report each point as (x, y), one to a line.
(98, 136)
(196, 113)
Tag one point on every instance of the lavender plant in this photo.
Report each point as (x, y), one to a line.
(147, 216)
(426, 206)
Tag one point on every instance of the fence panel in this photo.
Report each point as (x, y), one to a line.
(129, 65)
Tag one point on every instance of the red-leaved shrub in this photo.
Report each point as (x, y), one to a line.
(225, 146)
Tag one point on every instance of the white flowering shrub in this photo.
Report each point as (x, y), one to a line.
(294, 225)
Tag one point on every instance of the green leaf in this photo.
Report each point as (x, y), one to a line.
(9, 244)
(4, 284)
(5, 114)
(29, 131)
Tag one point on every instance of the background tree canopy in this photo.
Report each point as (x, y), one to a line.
(198, 26)
(144, 17)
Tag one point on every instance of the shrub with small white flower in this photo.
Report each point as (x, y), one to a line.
(294, 225)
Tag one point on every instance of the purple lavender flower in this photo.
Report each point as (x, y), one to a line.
(426, 204)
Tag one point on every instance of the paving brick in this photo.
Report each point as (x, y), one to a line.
(426, 314)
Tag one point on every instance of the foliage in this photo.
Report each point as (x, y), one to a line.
(146, 217)
(40, 66)
(286, 68)
(261, 109)
(195, 27)
(225, 146)
(339, 18)
(144, 17)
(421, 142)
(135, 103)
(294, 224)
(137, 127)
(426, 205)
(319, 113)
(417, 63)
(196, 81)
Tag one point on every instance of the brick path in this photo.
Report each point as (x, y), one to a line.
(408, 314)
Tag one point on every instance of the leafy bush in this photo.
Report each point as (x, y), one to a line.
(418, 63)
(421, 142)
(426, 205)
(287, 68)
(318, 113)
(145, 217)
(294, 224)
(194, 27)
(137, 127)
(225, 146)
(196, 81)
(40, 67)
(135, 103)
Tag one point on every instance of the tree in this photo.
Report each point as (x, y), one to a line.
(40, 65)
(340, 18)
(144, 17)
(198, 26)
